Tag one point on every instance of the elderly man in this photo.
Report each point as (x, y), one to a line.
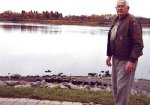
(125, 45)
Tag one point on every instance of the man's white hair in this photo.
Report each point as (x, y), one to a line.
(125, 2)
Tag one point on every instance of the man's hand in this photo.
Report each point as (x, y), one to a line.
(108, 63)
(130, 66)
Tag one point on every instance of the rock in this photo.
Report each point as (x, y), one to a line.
(2, 84)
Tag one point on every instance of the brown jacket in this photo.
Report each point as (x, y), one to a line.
(128, 43)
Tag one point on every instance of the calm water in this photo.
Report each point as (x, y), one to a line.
(31, 49)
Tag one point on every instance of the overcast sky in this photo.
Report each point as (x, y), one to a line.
(75, 7)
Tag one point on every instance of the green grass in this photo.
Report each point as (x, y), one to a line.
(57, 94)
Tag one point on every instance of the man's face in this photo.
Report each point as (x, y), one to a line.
(121, 9)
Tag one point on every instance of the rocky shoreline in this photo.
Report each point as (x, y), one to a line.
(141, 87)
(72, 82)
(95, 83)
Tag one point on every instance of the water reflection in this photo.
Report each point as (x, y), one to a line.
(30, 28)
(146, 31)
(56, 29)
(21, 27)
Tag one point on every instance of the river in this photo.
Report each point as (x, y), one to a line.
(32, 49)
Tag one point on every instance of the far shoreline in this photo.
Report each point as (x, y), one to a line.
(65, 22)
(58, 22)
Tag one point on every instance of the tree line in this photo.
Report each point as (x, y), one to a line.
(30, 15)
(46, 15)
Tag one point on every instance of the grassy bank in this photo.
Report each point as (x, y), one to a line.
(57, 94)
